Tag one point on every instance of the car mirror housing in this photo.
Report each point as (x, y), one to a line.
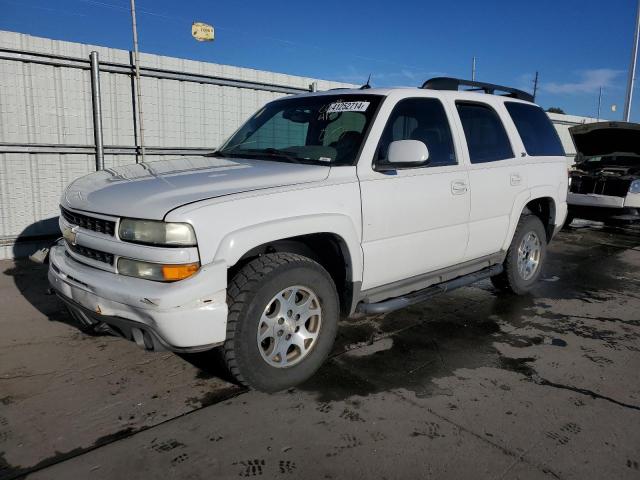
(408, 151)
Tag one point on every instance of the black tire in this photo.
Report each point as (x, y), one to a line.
(249, 294)
(510, 279)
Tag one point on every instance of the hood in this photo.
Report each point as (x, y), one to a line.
(606, 138)
(150, 190)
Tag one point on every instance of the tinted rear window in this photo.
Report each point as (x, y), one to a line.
(536, 130)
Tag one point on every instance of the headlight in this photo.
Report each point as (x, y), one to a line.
(156, 271)
(634, 187)
(153, 232)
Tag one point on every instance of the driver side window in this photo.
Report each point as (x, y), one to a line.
(422, 119)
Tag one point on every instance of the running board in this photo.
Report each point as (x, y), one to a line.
(397, 303)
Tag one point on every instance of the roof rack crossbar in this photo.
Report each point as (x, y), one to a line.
(449, 83)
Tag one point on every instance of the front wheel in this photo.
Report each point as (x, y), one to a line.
(525, 257)
(283, 318)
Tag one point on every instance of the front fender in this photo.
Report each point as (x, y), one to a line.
(235, 244)
(229, 227)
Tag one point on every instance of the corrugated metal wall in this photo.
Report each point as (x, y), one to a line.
(45, 106)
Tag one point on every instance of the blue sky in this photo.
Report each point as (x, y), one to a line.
(577, 46)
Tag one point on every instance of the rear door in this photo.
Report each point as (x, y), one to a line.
(414, 217)
(496, 177)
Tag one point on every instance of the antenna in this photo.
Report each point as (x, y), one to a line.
(473, 69)
(366, 85)
(535, 86)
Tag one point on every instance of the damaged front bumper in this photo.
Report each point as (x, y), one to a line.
(185, 316)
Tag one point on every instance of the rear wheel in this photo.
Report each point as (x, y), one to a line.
(283, 318)
(525, 257)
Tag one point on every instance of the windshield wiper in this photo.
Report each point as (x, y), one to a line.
(259, 152)
(282, 153)
(215, 153)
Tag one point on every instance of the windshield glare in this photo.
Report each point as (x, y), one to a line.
(327, 129)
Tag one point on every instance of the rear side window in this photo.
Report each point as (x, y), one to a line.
(536, 131)
(486, 137)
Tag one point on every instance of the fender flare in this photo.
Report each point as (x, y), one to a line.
(544, 191)
(235, 244)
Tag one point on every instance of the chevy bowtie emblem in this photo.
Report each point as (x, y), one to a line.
(69, 234)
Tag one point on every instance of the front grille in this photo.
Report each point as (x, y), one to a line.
(91, 253)
(94, 224)
(600, 185)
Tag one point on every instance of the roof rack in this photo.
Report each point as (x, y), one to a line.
(448, 83)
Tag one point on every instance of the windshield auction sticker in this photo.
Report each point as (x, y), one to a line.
(348, 107)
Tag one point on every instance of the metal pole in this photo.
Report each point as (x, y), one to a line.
(97, 109)
(137, 69)
(632, 68)
(599, 103)
(473, 69)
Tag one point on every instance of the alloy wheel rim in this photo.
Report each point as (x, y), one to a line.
(529, 253)
(289, 326)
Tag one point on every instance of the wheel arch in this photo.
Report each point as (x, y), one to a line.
(545, 209)
(330, 240)
(540, 202)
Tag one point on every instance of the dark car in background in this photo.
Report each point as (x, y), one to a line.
(604, 185)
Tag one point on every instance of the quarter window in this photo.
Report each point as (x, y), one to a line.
(422, 119)
(486, 137)
(535, 129)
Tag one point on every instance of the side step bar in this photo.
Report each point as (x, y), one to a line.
(397, 303)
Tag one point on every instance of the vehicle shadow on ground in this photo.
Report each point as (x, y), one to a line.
(210, 364)
(31, 281)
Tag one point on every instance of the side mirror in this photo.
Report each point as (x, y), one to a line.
(407, 151)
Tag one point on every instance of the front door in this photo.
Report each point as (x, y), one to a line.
(414, 217)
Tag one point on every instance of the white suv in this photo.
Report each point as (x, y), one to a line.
(346, 201)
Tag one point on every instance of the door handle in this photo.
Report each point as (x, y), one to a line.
(458, 187)
(516, 179)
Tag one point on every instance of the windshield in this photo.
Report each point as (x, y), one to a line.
(326, 130)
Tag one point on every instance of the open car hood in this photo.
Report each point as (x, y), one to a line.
(606, 138)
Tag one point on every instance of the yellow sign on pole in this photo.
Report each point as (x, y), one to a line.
(202, 32)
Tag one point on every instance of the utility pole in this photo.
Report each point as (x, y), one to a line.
(137, 68)
(473, 69)
(535, 86)
(632, 68)
(599, 103)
